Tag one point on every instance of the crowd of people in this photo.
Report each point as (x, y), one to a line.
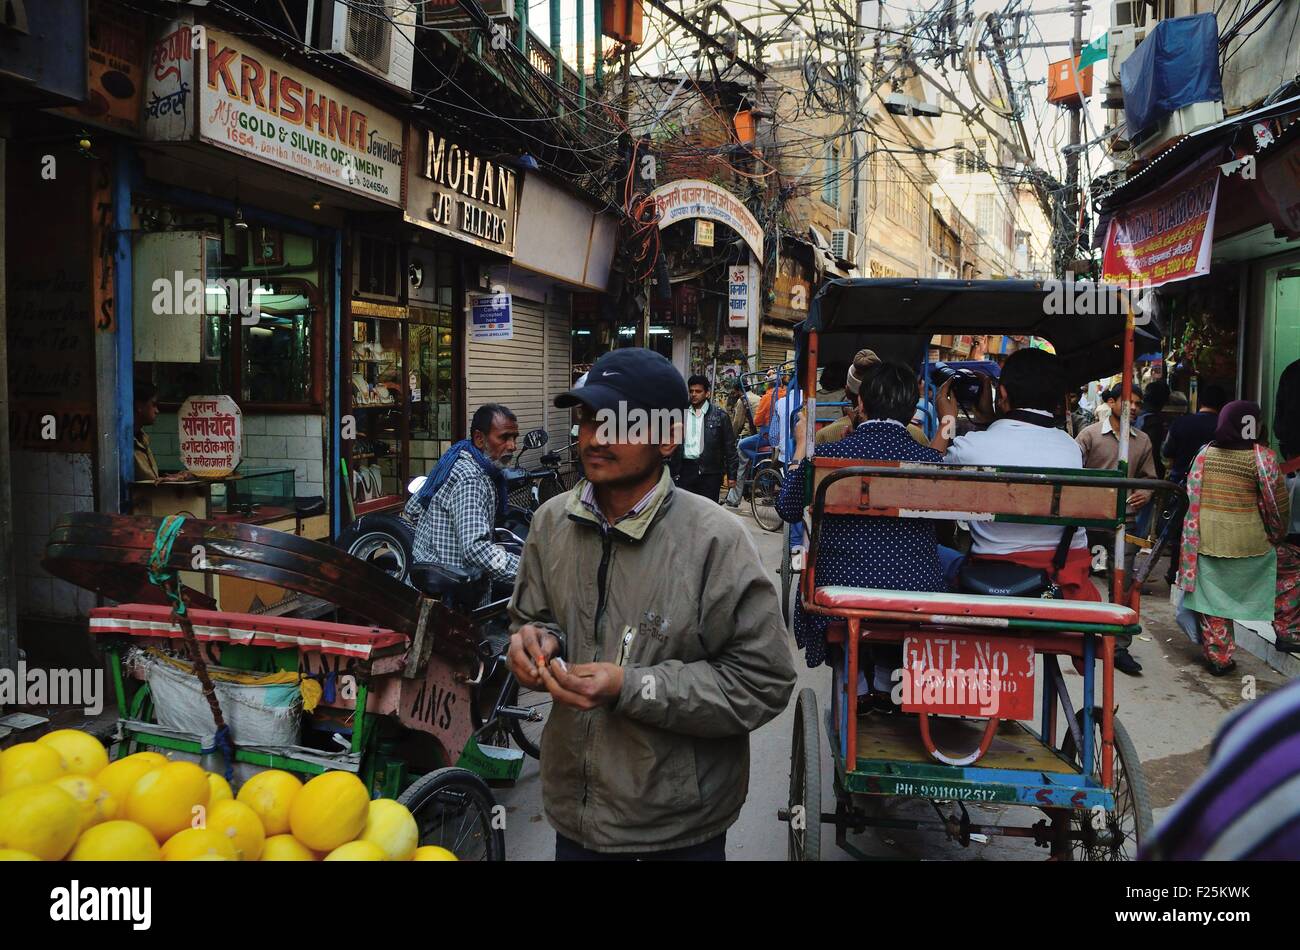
(641, 605)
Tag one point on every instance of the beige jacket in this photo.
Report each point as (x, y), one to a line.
(677, 596)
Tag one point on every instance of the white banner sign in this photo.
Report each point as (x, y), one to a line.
(259, 105)
(693, 198)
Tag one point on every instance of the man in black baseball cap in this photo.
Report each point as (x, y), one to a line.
(647, 614)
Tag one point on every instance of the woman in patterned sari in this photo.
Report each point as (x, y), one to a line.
(1234, 563)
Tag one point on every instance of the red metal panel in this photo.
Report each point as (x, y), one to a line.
(149, 620)
(923, 605)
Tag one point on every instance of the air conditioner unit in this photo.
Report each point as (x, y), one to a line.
(1120, 44)
(1185, 121)
(844, 245)
(449, 14)
(379, 38)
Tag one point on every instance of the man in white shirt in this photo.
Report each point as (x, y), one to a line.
(785, 412)
(708, 450)
(1023, 433)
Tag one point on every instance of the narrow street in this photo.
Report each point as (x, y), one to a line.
(1171, 711)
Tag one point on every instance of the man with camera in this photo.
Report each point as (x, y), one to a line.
(1022, 432)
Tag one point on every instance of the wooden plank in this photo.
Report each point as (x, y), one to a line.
(898, 739)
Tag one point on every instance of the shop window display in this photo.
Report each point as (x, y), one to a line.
(378, 402)
(403, 369)
(261, 323)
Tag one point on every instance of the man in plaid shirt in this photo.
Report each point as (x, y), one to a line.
(456, 529)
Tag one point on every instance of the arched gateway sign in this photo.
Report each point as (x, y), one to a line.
(693, 198)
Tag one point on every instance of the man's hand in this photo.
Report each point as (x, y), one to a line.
(945, 403)
(531, 646)
(1139, 499)
(584, 686)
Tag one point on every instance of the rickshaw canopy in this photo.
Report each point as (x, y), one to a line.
(897, 316)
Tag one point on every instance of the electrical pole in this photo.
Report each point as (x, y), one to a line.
(1065, 257)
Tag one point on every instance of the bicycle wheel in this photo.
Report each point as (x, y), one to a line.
(804, 833)
(527, 731)
(1116, 835)
(454, 809)
(762, 499)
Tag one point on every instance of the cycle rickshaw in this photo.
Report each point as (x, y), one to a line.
(1077, 765)
(387, 675)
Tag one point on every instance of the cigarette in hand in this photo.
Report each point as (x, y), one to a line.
(563, 666)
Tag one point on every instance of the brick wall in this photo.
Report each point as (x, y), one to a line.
(45, 485)
(295, 441)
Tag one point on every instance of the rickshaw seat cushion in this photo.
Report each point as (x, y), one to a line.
(922, 603)
(438, 580)
(1002, 579)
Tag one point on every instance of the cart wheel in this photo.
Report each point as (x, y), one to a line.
(454, 809)
(805, 818)
(1122, 831)
(787, 574)
(762, 499)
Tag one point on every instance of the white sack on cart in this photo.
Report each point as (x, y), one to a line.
(266, 715)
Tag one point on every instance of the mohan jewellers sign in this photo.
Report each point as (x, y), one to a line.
(256, 104)
(456, 191)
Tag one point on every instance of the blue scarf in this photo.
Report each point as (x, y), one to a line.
(442, 471)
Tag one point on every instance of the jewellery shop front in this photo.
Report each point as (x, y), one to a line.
(252, 176)
(469, 303)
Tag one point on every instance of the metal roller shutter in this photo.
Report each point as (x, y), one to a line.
(527, 371)
(773, 352)
(559, 362)
(509, 371)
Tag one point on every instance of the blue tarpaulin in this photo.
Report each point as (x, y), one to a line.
(1175, 66)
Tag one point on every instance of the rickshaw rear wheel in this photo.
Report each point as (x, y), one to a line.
(805, 806)
(454, 809)
(762, 499)
(1122, 831)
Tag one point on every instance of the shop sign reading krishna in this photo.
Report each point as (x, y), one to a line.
(259, 105)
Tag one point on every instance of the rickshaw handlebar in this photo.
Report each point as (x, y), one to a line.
(1004, 478)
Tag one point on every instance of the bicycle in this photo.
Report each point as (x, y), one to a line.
(501, 710)
(764, 490)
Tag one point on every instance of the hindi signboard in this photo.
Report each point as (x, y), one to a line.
(1166, 236)
(490, 318)
(168, 106)
(211, 435)
(740, 291)
(689, 198)
(256, 104)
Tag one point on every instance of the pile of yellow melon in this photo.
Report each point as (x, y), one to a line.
(61, 799)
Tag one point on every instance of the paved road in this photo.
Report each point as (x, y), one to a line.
(1171, 712)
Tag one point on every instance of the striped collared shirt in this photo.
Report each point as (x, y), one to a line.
(588, 499)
